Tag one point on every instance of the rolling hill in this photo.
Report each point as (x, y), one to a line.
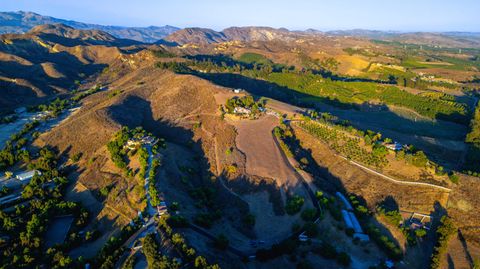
(246, 34)
(49, 60)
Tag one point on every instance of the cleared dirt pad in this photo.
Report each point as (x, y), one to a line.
(264, 159)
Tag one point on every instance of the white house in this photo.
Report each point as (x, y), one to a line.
(241, 110)
(131, 144)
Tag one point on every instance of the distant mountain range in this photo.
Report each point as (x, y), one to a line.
(22, 22)
(253, 33)
(245, 34)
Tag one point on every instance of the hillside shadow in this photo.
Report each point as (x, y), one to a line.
(70, 68)
(72, 42)
(327, 182)
(391, 124)
(227, 61)
(135, 111)
(166, 43)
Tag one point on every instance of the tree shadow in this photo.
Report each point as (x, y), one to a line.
(468, 255)
(451, 264)
(135, 111)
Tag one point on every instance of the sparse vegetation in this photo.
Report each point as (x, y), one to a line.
(386, 244)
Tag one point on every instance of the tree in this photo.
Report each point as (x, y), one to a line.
(249, 220)
(150, 249)
(420, 233)
(294, 204)
(344, 259)
(221, 242)
(309, 214)
(311, 229)
(200, 262)
(444, 232)
(8, 174)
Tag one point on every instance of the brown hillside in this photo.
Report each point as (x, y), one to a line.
(48, 60)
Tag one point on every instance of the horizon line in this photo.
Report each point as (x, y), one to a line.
(266, 26)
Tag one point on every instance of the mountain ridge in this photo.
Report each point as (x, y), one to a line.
(22, 21)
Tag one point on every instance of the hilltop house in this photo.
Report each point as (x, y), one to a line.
(132, 143)
(395, 146)
(146, 140)
(241, 110)
(149, 140)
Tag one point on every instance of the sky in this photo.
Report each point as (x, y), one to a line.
(404, 15)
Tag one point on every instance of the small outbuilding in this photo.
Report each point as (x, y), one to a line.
(27, 175)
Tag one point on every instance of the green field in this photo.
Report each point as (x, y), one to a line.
(342, 92)
(251, 58)
(360, 92)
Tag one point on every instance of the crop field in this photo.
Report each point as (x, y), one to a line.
(360, 92)
(342, 143)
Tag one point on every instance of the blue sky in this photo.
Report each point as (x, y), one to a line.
(404, 15)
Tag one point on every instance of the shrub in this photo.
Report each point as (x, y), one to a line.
(221, 242)
(249, 220)
(326, 250)
(420, 233)
(311, 229)
(453, 177)
(391, 249)
(309, 214)
(177, 221)
(344, 259)
(76, 157)
(104, 191)
(304, 265)
(287, 246)
(294, 204)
